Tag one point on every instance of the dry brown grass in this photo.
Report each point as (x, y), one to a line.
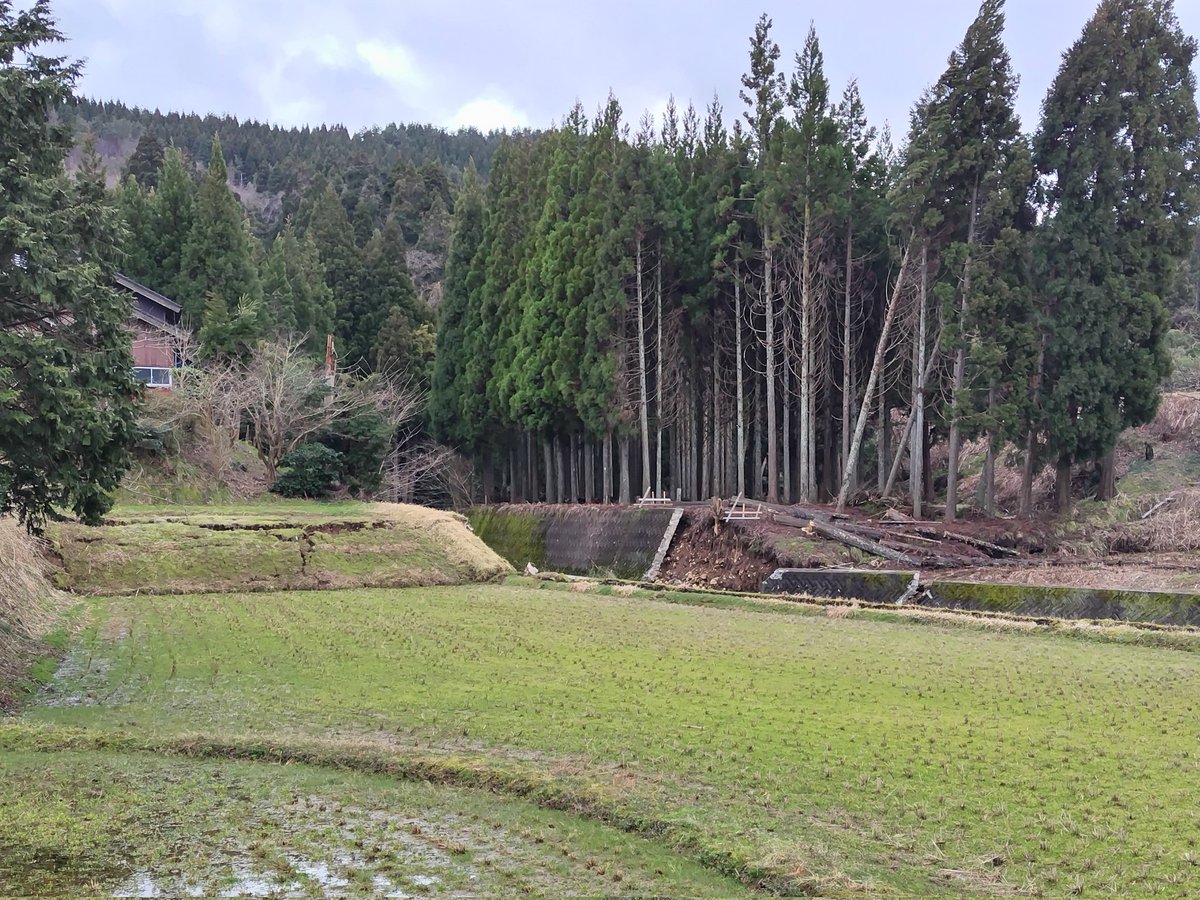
(454, 535)
(29, 606)
(1173, 529)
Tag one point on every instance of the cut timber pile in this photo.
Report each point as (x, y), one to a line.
(897, 538)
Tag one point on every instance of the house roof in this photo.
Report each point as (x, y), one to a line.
(154, 296)
(166, 327)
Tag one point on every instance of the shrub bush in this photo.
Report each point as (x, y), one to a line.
(311, 470)
(363, 440)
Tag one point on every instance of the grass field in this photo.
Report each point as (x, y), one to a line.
(803, 753)
(270, 545)
(139, 825)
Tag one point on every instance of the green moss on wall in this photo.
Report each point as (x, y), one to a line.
(520, 537)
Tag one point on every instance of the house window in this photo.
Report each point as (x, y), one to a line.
(153, 376)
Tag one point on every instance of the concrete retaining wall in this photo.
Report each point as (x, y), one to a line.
(1154, 607)
(572, 539)
(836, 584)
(1034, 601)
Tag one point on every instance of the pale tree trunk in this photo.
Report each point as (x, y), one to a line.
(847, 350)
(561, 470)
(606, 466)
(548, 453)
(514, 490)
(535, 488)
(658, 386)
(708, 424)
(772, 423)
(488, 478)
(960, 369)
(589, 468)
(644, 397)
(905, 438)
(876, 368)
(885, 433)
(916, 452)
(786, 377)
(574, 449)
(741, 391)
(806, 366)
(759, 462)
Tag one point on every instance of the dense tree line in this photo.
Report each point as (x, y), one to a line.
(189, 238)
(67, 396)
(794, 310)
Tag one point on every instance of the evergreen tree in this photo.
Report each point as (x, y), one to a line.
(980, 190)
(67, 396)
(279, 301)
(330, 231)
(218, 257)
(385, 289)
(138, 261)
(172, 211)
(445, 408)
(1119, 153)
(146, 162)
(313, 304)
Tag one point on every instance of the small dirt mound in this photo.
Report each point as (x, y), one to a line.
(716, 555)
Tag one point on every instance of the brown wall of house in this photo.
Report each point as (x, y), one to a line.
(152, 349)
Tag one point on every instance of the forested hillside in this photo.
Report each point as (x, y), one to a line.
(775, 299)
(406, 175)
(790, 307)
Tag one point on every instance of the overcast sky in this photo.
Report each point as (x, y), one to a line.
(503, 64)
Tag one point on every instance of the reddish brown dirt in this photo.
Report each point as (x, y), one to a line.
(726, 559)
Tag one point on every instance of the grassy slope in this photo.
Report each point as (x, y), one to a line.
(812, 751)
(92, 823)
(271, 546)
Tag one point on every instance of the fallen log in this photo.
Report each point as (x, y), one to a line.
(993, 550)
(1157, 506)
(833, 533)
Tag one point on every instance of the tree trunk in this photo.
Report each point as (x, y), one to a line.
(707, 426)
(535, 488)
(989, 464)
(739, 366)
(626, 489)
(1108, 477)
(885, 434)
(606, 466)
(574, 450)
(589, 469)
(758, 463)
(561, 470)
(807, 419)
(644, 397)
(658, 385)
(772, 412)
(1062, 485)
(847, 349)
(488, 477)
(548, 456)
(960, 368)
(786, 379)
(916, 455)
(872, 381)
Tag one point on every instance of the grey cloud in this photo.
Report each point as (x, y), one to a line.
(366, 62)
